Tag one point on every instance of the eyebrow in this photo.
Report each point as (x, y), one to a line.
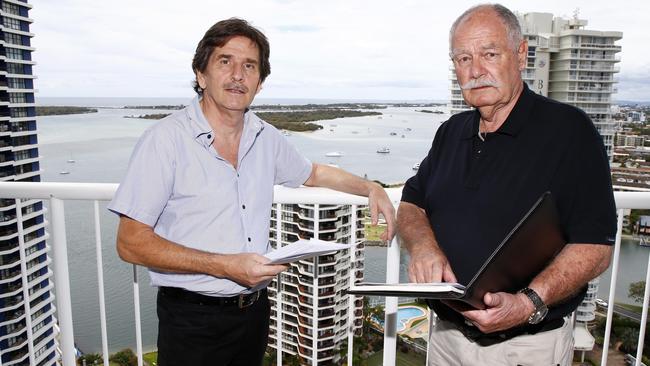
(229, 56)
(460, 51)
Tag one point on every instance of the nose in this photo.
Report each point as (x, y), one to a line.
(476, 68)
(237, 73)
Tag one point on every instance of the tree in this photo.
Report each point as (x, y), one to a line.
(636, 291)
(90, 358)
(125, 357)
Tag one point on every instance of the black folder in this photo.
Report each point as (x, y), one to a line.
(527, 249)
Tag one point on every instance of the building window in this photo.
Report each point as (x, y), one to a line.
(13, 68)
(13, 38)
(11, 23)
(17, 98)
(10, 8)
(14, 54)
(21, 155)
(18, 112)
(16, 83)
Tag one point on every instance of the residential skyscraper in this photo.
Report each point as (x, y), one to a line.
(27, 323)
(314, 308)
(568, 63)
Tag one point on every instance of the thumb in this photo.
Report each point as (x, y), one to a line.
(492, 300)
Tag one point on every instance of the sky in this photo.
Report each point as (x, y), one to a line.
(320, 49)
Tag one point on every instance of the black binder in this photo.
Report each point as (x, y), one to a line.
(527, 249)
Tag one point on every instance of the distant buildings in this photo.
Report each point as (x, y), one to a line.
(314, 307)
(27, 322)
(568, 63)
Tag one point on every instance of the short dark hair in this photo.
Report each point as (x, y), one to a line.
(218, 35)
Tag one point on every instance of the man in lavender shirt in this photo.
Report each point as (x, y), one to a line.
(195, 205)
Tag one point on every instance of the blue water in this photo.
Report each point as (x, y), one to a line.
(406, 314)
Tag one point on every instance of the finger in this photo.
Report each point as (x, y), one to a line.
(373, 213)
(412, 277)
(390, 223)
(448, 275)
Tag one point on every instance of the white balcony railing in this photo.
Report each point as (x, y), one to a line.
(57, 193)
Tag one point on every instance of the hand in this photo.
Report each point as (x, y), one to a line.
(250, 269)
(429, 266)
(504, 311)
(378, 202)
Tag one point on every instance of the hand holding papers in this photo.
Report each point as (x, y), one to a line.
(302, 249)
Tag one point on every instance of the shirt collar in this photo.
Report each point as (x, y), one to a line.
(515, 121)
(202, 132)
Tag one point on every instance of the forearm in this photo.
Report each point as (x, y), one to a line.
(340, 180)
(576, 265)
(139, 244)
(414, 229)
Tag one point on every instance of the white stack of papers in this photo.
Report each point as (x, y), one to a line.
(303, 249)
(425, 290)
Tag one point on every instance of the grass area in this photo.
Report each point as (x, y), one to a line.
(373, 233)
(635, 308)
(150, 358)
(403, 359)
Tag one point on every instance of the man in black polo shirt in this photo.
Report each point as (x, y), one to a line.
(485, 169)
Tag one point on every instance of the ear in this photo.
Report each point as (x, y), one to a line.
(201, 79)
(522, 54)
(259, 88)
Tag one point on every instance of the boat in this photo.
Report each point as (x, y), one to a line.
(393, 133)
(64, 172)
(383, 150)
(416, 166)
(334, 154)
(286, 133)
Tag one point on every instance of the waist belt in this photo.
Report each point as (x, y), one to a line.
(473, 333)
(241, 301)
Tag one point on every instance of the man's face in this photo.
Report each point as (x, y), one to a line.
(232, 78)
(487, 68)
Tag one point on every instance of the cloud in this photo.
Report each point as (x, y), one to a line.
(303, 28)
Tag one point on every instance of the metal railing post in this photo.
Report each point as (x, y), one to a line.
(100, 285)
(612, 288)
(138, 324)
(62, 281)
(390, 310)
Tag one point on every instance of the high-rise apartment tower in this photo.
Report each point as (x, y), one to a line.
(27, 323)
(313, 309)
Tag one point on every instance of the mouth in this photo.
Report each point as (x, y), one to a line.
(236, 89)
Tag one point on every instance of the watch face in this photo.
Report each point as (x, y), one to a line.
(538, 316)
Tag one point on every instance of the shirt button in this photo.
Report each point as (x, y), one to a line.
(243, 206)
(209, 136)
(249, 239)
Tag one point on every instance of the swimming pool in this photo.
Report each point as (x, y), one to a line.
(405, 314)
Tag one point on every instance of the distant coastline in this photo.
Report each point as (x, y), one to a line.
(63, 110)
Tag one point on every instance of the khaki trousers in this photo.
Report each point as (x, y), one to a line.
(449, 347)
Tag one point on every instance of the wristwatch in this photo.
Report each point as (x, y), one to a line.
(540, 308)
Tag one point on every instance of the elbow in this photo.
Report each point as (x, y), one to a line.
(605, 259)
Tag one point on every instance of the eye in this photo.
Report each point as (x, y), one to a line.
(224, 61)
(463, 59)
(490, 55)
(250, 66)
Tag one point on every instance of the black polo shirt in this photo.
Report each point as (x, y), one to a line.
(474, 192)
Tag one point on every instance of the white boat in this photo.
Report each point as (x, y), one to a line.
(64, 172)
(334, 154)
(286, 133)
(416, 166)
(383, 150)
(71, 161)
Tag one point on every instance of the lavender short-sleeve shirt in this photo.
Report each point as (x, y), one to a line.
(178, 184)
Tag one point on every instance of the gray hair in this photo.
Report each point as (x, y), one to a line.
(508, 18)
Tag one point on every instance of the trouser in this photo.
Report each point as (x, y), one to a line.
(199, 334)
(449, 347)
